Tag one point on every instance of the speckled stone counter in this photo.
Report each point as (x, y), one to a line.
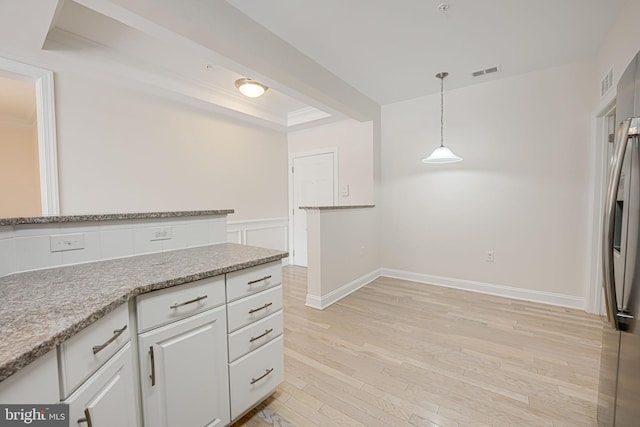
(41, 309)
(109, 217)
(331, 208)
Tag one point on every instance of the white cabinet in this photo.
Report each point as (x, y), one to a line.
(206, 353)
(256, 353)
(171, 304)
(184, 374)
(35, 383)
(89, 349)
(255, 376)
(107, 398)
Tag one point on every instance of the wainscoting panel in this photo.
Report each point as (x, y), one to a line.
(272, 233)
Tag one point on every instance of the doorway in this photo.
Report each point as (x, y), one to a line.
(47, 164)
(313, 182)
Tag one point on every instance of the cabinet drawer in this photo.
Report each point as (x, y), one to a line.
(254, 376)
(252, 280)
(89, 349)
(168, 305)
(257, 334)
(255, 307)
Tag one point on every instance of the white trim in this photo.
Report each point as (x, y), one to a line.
(570, 301)
(488, 288)
(292, 156)
(305, 115)
(322, 302)
(47, 146)
(240, 229)
(594, 301)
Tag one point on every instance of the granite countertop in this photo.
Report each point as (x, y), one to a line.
(109, 217)
(328, 208)
(43, 308)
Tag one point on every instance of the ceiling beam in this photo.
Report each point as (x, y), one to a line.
(221, 29)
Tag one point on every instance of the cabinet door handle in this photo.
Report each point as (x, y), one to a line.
(259, 280)
(116, 334)
(261, 308)
(176, 305)
(86, 419)
(266, 332)
(153, 367)
(267, 372)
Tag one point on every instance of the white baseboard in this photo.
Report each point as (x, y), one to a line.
(325, 301)
(531, 295)
(488, 288)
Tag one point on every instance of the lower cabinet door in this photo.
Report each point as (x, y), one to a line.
(107, 398)
(184, 379)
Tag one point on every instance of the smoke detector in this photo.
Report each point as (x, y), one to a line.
(443, 7)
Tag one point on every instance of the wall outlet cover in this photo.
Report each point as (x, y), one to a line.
(66, 242)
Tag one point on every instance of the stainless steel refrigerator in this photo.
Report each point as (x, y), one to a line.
(619, 393)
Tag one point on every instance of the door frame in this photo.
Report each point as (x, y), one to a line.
(292, 157)
(595, 302)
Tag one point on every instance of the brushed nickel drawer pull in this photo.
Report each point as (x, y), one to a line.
(176, 305)
(86, 419)
(261, 308)
(153, 367)
(116, 334)
(255, 380)
(266, 332)
(259, 280)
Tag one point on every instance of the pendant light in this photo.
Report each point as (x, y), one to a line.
(442, 154)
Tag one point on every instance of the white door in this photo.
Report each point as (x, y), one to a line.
(107, 398)
(184, 372)
(313, 185)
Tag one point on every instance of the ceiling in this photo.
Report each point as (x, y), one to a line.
(322, 60)
(391, 50)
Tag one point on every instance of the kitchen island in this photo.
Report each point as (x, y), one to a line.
(190, 336)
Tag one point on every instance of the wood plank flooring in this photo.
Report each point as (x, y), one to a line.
(398, 353)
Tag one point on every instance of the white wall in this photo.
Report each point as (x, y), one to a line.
(354, 141)
(342, 253)
(126, 151)
(19, 171)
(522, 190)
(620, 45)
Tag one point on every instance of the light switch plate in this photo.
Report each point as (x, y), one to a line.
(66, 242)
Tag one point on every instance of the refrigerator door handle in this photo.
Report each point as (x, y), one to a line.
(622, 138)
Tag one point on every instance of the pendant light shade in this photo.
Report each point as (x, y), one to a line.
(442, 154)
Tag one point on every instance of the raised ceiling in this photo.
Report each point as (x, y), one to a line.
(323, 60)
(391, 50)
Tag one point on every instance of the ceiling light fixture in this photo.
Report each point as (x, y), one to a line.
(442, 154)
(251, 88)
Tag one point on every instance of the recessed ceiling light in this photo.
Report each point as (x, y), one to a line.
(251, 88)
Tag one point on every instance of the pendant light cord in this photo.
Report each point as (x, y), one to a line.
(442, 111)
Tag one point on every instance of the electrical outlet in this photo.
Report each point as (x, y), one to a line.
(490, 256)
(345, 190)
(66, 242)
(160, 233)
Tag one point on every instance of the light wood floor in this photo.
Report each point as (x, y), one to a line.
(402, 353)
